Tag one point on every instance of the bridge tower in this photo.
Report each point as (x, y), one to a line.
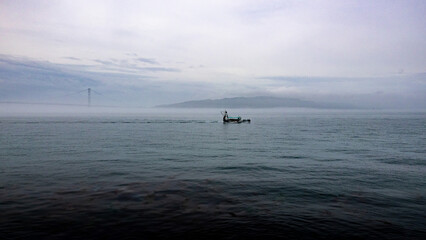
(88, 97)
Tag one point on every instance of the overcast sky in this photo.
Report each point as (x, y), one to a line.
(166, 51)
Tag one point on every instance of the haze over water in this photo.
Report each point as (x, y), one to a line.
(290, 173)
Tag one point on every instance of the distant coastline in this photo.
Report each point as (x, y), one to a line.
(256, 102)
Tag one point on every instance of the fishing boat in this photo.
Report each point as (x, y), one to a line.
(228, 119)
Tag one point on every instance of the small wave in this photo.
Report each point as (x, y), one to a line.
(249, 168)
(291, 157)
(172, 121)
(146, 121)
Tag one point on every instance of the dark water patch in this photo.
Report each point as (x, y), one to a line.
(291, 157)
(403, 161)
(126, 223)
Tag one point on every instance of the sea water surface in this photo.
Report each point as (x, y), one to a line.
(290, 173)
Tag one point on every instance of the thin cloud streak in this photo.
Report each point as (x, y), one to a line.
(147, 60)
(73, 58)
(125, 65)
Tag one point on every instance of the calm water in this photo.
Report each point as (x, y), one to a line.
(288, 174)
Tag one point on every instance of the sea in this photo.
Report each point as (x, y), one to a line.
(184, 174)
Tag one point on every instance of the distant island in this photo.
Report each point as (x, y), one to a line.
(255, 102)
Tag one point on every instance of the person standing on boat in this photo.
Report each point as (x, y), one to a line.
(225, 116)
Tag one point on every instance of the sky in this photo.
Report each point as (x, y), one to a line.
(144, 53)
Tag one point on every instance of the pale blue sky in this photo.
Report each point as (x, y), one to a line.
(165, 51)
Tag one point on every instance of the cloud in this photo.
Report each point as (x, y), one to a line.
(22, 71)
(73, 58)
(244, 46)
(320, 38)
(23, 79)
(398, 83)
(103, 62)
(147, 60)
(125, 65)
(32, 80)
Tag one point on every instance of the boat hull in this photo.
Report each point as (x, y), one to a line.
(237, 121)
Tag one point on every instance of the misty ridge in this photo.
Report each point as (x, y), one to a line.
(257, 102)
